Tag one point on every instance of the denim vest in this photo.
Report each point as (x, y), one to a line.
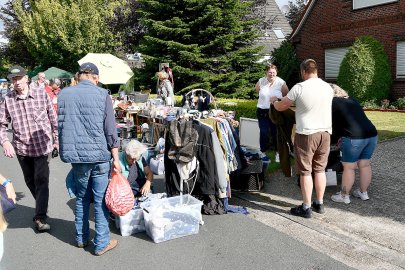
(81, 113)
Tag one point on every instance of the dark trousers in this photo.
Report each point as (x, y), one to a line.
(36, 175)
(267, 128)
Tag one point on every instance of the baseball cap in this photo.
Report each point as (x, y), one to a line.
(16, 71)
(88, 68)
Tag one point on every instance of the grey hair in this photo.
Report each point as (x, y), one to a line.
(134, 149)
(85, 76)
(338, 91)
(54, 81)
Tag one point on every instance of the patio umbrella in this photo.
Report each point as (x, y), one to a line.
(55, 73)
(112, 69)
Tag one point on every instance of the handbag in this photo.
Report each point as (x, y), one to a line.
(6, 204)
(157, 165)
(119, 197)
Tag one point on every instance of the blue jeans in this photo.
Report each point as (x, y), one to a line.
(91, 181)
(354, 150)
(267, 128)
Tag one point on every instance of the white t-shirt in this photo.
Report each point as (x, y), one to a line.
(268, 90)
(313, 101)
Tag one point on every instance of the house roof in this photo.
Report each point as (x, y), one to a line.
(304, 16)
(279, 22)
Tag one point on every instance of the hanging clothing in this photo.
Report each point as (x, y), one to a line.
(284, 122)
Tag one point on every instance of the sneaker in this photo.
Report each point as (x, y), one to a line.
(299, 211)
(113, 243)
(318, 207)
(277, 158)
(338, 197)
(83, 245)
(362, 195)
(41, 225)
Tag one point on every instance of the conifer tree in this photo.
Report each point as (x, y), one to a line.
(208, 43)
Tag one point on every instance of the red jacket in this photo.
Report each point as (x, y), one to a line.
(53, 95)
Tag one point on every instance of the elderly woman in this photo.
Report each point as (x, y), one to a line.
(165, 90)
(358, 139)
(135, 168)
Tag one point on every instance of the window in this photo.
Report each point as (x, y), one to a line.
(279, 33)
(333, 59)
(368, 3)
(401, 59)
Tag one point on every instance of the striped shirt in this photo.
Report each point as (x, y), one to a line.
(34, 122)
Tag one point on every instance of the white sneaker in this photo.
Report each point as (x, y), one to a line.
(362, 195)
(277, 158)
(338, 197)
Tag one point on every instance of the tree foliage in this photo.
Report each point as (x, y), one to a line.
(365, 70)
(60, 32)
(16, 50)
(126, 22)
(295, 12)
(208, 43)
(286, 60)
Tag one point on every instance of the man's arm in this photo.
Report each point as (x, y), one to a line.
(110, 132)
(282, 105)
(284, 89)
(5, 119)
(257, 87)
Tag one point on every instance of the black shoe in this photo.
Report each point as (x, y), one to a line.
(299, 211)
(41, 225)
(317, 207)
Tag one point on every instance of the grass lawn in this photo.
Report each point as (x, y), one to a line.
(389, 124)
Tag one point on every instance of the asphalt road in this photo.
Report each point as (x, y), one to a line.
(231, 241)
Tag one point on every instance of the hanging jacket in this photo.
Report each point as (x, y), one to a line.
(284, 121)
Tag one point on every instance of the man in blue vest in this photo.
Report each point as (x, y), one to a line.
(88, 140)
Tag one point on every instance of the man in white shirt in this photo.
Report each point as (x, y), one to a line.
(313, 101)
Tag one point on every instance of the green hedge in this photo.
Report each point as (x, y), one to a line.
(365, 71)
(243, 107)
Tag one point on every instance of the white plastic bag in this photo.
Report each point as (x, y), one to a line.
(331, 179)
(157, 165)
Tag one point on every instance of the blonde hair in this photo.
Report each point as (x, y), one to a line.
(338, 92)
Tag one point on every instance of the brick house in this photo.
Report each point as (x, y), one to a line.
(329, 27)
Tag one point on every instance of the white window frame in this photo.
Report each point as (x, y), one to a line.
(333, 60)
(400, 73)
(358, 4)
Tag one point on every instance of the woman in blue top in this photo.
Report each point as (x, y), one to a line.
(135, 168)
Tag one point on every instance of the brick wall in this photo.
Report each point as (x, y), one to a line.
(334, 23)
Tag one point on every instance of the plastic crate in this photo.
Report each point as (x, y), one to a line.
(172, 218)
(131, 223)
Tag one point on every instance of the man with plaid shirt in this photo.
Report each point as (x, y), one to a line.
(35, 135)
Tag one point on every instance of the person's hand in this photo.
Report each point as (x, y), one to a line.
(272, 99)
(55, 145)
(117, 166)
(10, 191)
(146, 188)
(8, 149)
